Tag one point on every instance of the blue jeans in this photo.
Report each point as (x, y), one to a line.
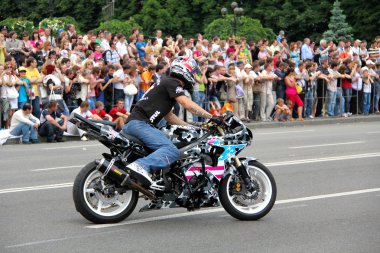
(309, 100)
(347, 94)
(128, 100)
(198, 97)
(366, 102)
(50, 131)
(36, 107)
(28, 132)
(331, 100)
(339, 106)
(164, 152)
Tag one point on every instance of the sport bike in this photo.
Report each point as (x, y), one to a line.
(208, 173)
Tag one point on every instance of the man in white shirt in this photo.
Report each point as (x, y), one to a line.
(118, 82)
(121, 46)
(356, 47)
(158, 37)
(105, 44)
(48, 37)
(25, 124)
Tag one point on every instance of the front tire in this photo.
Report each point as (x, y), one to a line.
(96, 206)
(254, 205)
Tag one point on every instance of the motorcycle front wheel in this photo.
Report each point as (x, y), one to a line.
(98, 201)
(244, 204)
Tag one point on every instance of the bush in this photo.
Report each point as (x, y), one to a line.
(119, 26)
(246, 27)
(19, 25)
(55, 24)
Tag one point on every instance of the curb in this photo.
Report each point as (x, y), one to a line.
(314, 122)
(262, 125)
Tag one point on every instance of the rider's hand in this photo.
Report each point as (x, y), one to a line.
(218, 120)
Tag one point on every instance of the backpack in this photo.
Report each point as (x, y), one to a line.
(104, 55)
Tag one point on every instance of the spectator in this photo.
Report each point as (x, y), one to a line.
(249, 79)
(99, 111)
(230, 88)
(198, 94)
(14, 47)
(291, 92)
(280, 87)
(23, 89)
(71, 30)
(377, 89)
(141, 45)
(132, 49)
(282, 111)
(347, 87)
(147, 79)
(266, 97)
(367, 83)
(25, 124)
(332, 87)
(111, 55)
(3, 49)
(311, 90)
(9, 93)
(294, 55)
(118, 82)
(306, 51)
(121, 46)
(119, 114)
(322, 86)
(132, 90)
(280, 36)
(47, 37)
(53, 123)
(106, 41)
(357, 91)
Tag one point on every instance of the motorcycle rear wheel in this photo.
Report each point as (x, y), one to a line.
(263, 198)
(97, 207)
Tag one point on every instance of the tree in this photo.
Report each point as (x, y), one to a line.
(339, 29)
(247, 27)
(119, 26)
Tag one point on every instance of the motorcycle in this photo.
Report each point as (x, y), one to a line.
(208, 173)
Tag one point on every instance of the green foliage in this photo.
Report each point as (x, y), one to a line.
(119, 26)
(19, 25)
(58, 23)
(247, 27)
(338, 27)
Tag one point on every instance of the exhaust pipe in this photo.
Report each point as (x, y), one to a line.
(113, 172)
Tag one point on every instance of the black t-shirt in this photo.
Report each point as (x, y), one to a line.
(324, 71)
(158, 101)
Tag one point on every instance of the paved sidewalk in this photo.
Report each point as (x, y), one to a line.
(271, 124)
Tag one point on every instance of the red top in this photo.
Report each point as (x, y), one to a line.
(101, 114)
(346, 83)
(114, 111)
(231, 50)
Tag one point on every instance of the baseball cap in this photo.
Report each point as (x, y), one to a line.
(248, 66)
(3, 27)
(21, 69)
(369, 62)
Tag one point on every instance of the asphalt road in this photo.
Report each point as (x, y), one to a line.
(328, 180)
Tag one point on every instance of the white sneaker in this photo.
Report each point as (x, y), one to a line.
(84, 138)
(139, 173)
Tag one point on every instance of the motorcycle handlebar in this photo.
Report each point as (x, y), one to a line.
(92, 125)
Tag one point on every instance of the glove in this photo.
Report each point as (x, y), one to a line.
(218, 120)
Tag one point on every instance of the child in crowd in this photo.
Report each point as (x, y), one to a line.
(282, 111)
(367, 81)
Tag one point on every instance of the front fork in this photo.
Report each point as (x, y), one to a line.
(242, 170)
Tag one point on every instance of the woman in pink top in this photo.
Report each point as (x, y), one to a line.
(36, 38)
(291, 92)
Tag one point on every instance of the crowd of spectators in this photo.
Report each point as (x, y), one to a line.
(101, 75)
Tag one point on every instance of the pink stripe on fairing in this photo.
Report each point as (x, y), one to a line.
(207, 168)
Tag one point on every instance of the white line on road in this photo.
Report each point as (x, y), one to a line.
(374, 132)
(215, 210)
(328, 144)
(36, 188)
(325, 159)
(68, 147)
(273, 164)
(288, 207)
(59, 168)
(286, 132)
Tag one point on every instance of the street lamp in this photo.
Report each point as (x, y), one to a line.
(238, 12)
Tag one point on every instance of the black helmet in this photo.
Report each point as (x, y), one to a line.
(185, 69)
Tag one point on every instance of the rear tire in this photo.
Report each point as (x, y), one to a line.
(85, 199)
(267, 194)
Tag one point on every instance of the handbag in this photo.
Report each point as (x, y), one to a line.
(130, 90)
(298, 88)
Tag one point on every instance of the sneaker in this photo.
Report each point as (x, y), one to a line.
(35, 141)
(139, 173)
(84, 138)
(349, 114)
(311, 117)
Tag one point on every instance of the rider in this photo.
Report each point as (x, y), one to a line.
(157, 104)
